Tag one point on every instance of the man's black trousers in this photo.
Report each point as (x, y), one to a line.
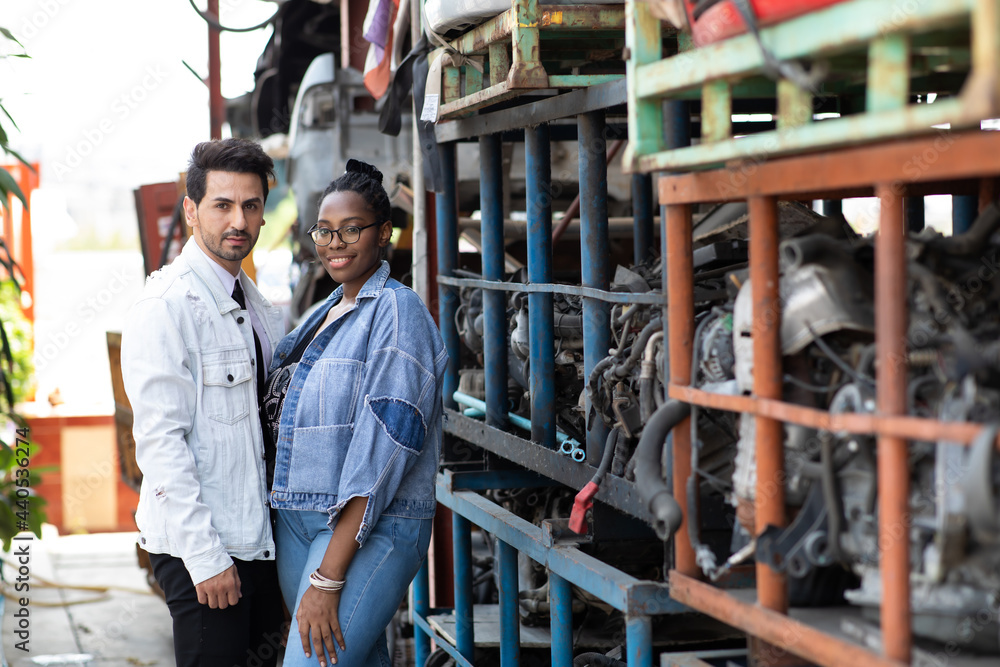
(245, 634)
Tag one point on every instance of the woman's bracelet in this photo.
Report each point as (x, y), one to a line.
(325, 584)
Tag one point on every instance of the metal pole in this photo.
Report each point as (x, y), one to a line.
(538, 170)
(421, 607)
(447, 247)
(642, 217)
(419, 243)
(772, 591)
(594, 259)
(893, 479)
(964, 209)
(510, 616)
(833, 208)
(494, 302)
(680, 324)
(561, 621)
(465, 638)
(216, 105)
(914, 214)
(639, 637)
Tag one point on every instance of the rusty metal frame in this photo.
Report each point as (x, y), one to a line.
(890, 40)
(511, 51)
(889, 170)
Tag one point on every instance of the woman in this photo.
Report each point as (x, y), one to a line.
(354, 405)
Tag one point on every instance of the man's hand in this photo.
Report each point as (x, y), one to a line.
(220, 591)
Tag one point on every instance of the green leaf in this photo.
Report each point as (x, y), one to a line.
(9, 35)
(20, 159)
(9, 117)
(9, 185)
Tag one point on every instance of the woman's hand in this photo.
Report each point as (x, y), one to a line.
(317, 614)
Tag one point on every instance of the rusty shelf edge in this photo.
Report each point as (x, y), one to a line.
(777, 629)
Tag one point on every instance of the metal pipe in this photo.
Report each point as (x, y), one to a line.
(574, 206)
(801, 639)
(833, 208)
(680, 322)
(964, 209)
(772, 589)
(642, 217)
(915, 218)
(510, 616)
(594, 261)
(649, 482)
(538, 171)
(515, 419)
(561, 621)
(494, 302)
(421, 607)
(216, 105)
(447, 251)
(893, 463)
(465, 638)
(639, 637)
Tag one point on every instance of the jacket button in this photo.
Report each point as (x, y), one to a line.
(267, 554)
(229, 377)
(142, 539)
(239, 320)
(281, 356)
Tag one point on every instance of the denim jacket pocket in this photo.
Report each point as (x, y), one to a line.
(317, 457)
(226, 398)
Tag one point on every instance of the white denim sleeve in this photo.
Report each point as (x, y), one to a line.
(161, 386)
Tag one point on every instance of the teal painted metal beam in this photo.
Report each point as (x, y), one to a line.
(811, 35)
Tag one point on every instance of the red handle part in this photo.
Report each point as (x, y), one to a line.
(583, 502)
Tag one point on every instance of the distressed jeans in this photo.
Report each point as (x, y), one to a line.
(376, 582)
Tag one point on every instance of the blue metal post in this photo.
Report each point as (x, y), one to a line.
(642, 217)
(561, 620)
(421, 608)
(510, 622)
(639, 637)
(447, 242)
(494, 307)
(461, 535)
(833, 208)
(964, 210)
(913, 212)
(594, 259)
(538, 168)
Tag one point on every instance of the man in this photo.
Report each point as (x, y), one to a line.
(194, 352)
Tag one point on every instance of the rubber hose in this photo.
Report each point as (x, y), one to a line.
(638, 348)
(649, 482)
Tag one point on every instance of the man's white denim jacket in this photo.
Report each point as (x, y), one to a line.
(186, 351)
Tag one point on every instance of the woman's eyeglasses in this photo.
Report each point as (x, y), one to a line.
(323, 237)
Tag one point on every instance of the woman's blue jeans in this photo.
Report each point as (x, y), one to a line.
(376, 582)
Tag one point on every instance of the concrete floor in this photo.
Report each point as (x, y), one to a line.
(128, 627)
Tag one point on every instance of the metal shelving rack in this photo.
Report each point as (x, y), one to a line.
(551, 544)
(966, 159)
(891, 52)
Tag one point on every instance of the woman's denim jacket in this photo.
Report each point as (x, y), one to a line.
(362, 415)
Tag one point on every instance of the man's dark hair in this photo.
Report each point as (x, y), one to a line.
(240, 156)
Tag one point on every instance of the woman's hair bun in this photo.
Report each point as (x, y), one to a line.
(359, 167)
